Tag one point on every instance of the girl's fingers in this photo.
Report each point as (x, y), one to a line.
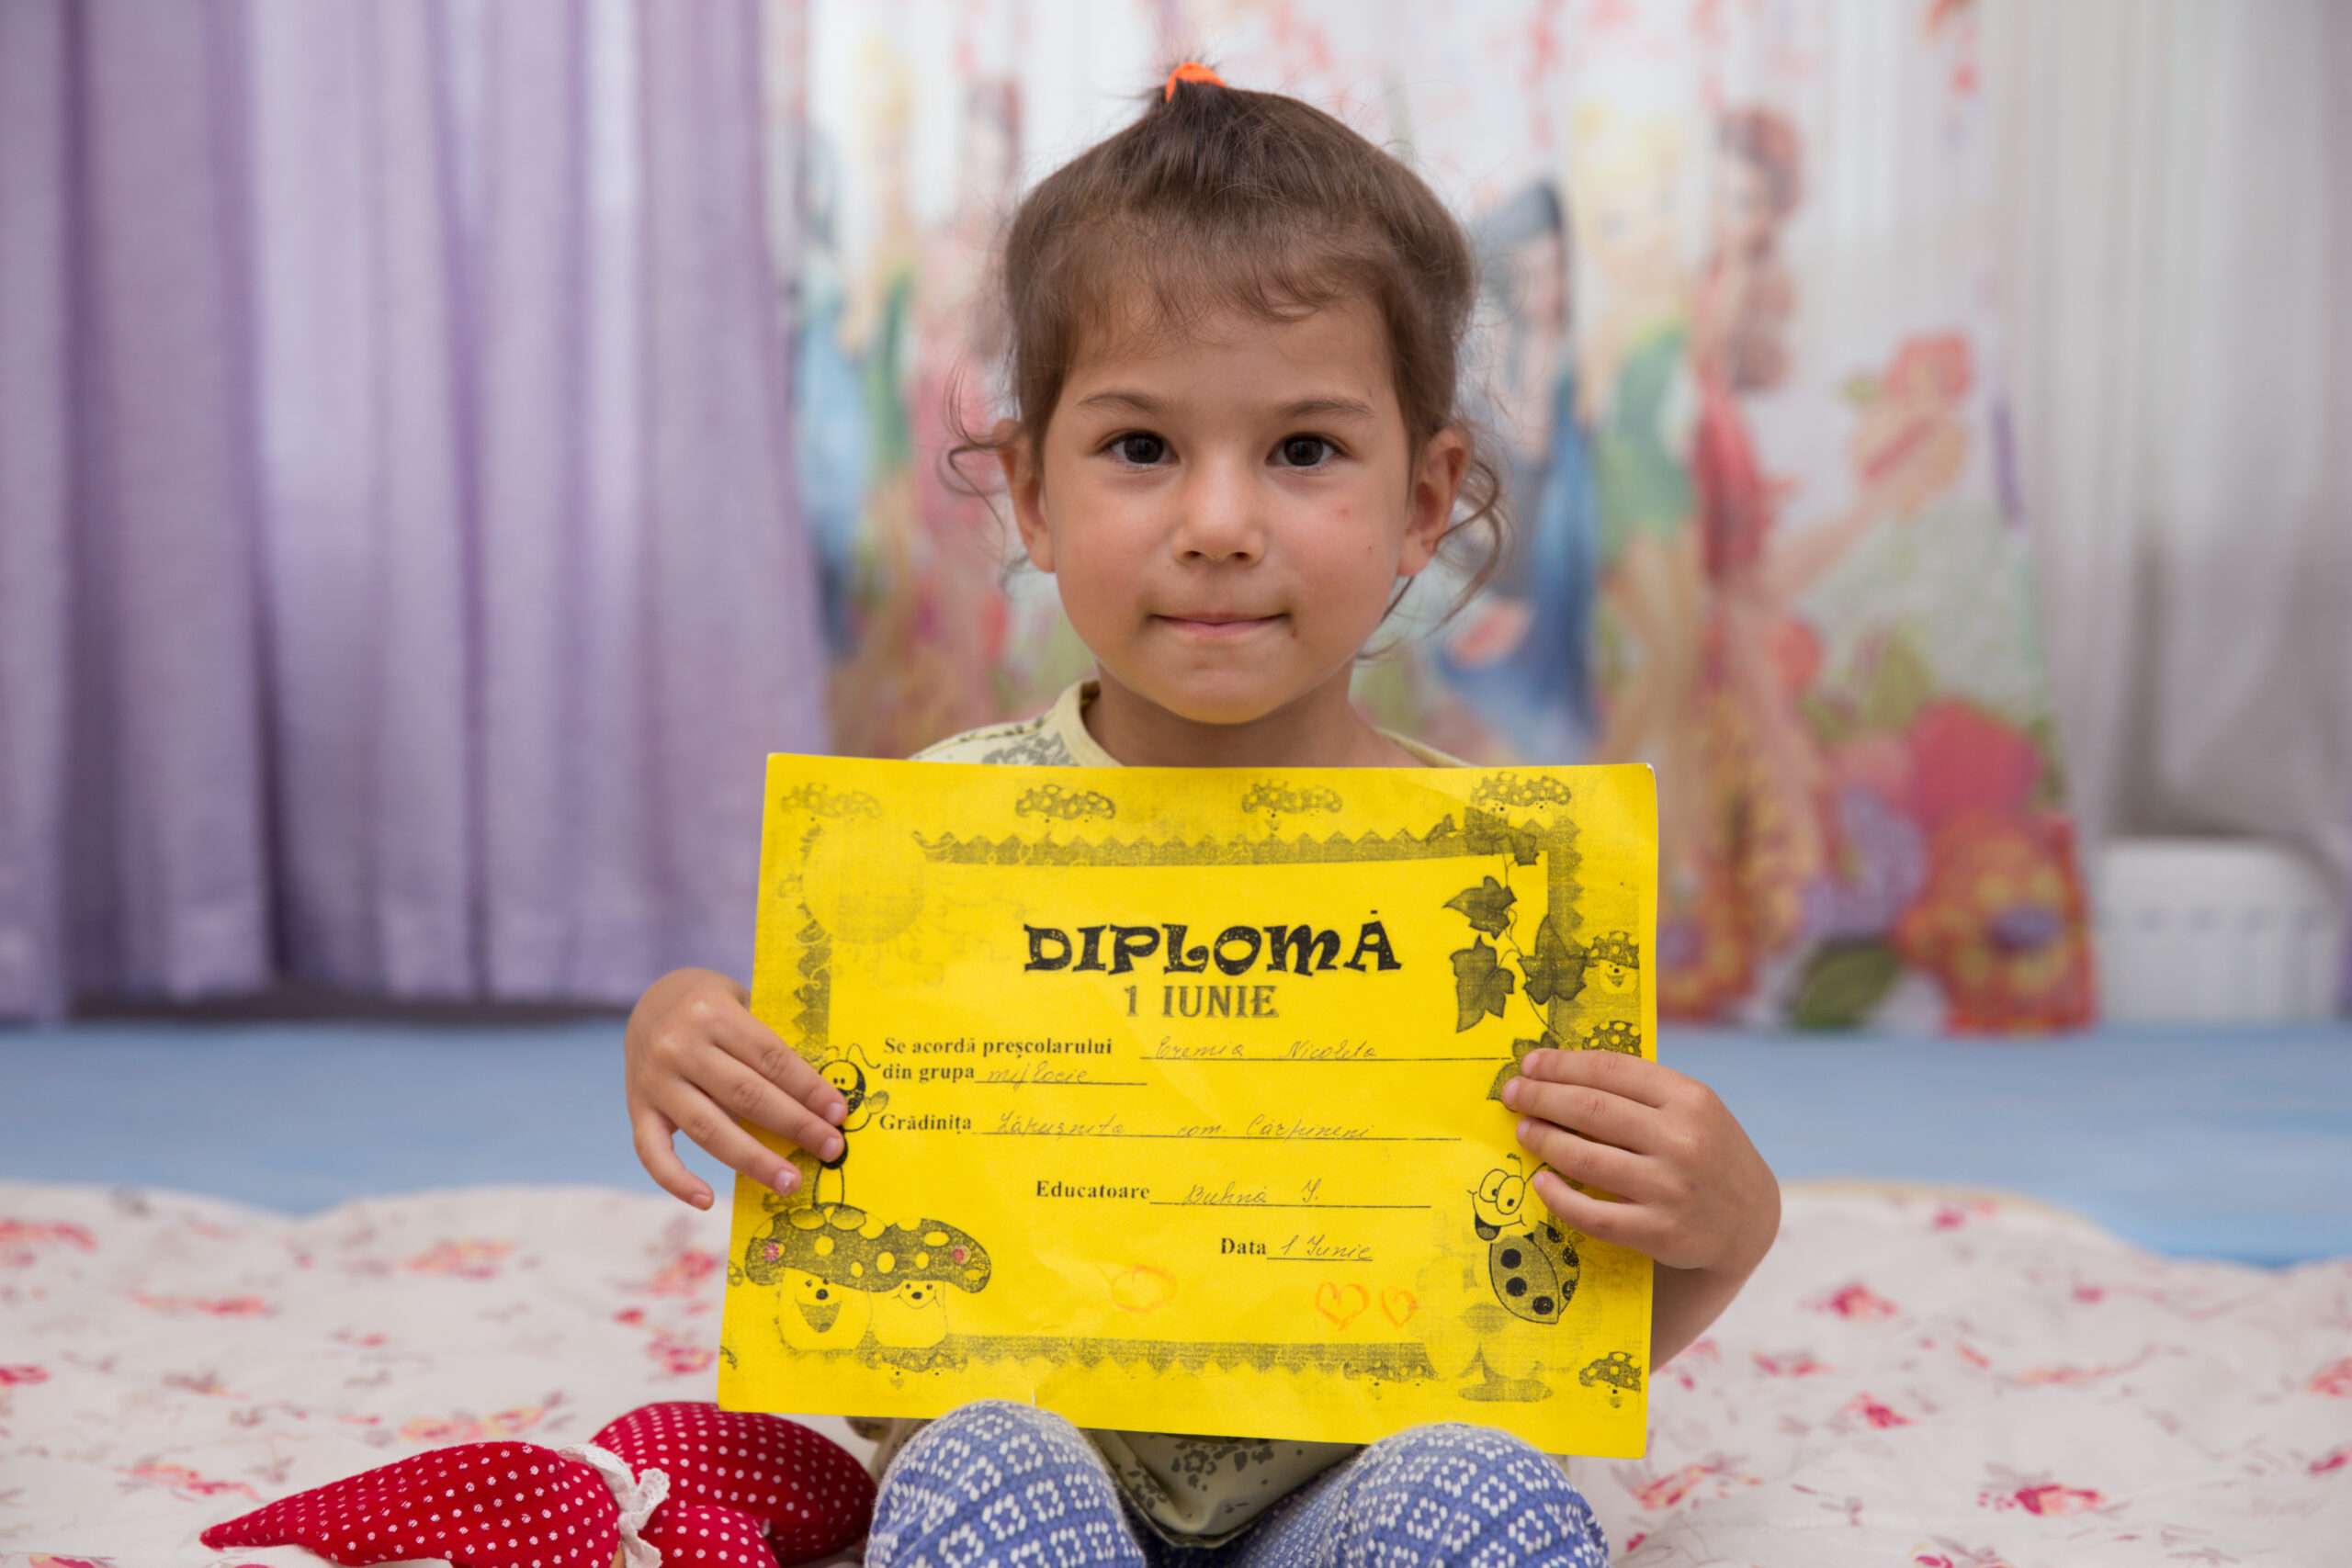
(760, 1048)
(1613, 1072)
(1623, 1224)
(749, 1097)
(694, 1113)
(1595, 1113)
(659, 1157)
(1596, 1165)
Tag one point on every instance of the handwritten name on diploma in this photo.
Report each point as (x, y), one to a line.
(1171, 1050)
(1018, 1124)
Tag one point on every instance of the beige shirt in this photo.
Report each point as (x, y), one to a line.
(1192, 1491)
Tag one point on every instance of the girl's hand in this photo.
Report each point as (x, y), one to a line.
(1695, 1194)
(696, 1061)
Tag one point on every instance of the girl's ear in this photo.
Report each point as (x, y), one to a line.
(1437, 480)
(1025, 482)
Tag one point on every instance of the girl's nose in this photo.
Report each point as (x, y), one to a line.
(1219, 515)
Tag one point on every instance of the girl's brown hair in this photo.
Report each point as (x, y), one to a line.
(1217, 199)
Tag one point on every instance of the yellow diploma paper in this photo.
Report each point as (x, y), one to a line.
(1173, 1096)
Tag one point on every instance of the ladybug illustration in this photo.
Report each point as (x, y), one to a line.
(1496, 1201)
(1533, 1272)
(1531, 1263)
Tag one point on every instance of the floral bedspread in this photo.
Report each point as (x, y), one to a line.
(1915, 1378)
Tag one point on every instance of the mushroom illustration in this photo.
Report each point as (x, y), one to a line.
(1613, 961)
(844, 1272)
(1618, 1370)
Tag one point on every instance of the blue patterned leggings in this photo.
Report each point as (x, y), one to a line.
(999, 1483)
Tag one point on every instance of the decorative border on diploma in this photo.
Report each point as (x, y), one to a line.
(1508, 814)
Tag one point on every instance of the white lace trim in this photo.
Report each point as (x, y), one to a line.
(638, 1496)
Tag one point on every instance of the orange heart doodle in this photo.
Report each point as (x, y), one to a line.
(1399, 1304)
(1141, 1288)
(1342, 1303)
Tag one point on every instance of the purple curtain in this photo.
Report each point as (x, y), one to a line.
(400, 578)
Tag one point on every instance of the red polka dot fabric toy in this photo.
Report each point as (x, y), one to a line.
(681, 1484)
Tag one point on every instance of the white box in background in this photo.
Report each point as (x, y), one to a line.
(2224, 930)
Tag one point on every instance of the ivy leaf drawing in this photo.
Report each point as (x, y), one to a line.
(1486, 906)
(1480, 986)
(1519, 1050)
(1555, 970)
(1494, 832)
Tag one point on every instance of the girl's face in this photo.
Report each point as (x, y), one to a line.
(1227, 513)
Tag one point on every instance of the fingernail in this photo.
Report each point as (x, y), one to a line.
(787, 1178)
(833, 1147)
(836, 1112)
(1526, 1128)
(702, 1200)
(1512, 1091)
(1535, 1061)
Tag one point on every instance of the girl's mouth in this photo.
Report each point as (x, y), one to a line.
(1220, 630)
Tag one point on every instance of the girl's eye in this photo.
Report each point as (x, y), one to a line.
(1142, 450)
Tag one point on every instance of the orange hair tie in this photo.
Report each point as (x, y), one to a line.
(1190, 71)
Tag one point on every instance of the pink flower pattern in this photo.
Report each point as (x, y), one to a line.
(1860, 1302)
(1946, 1381)
(470, 1258)
(2335, 1380)
(211, 1306)
(1969, 1380)
(1876, 1413)
(21, 1241)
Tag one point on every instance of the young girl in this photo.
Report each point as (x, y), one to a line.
(1235, 328)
